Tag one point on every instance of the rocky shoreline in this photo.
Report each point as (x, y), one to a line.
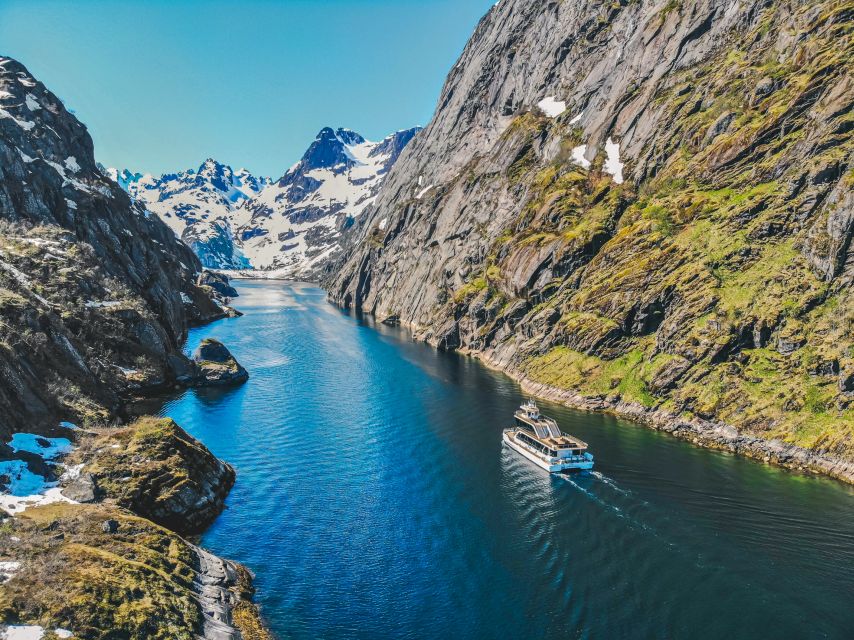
(220, 585)
(703, 433)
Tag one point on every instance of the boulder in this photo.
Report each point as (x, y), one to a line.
(83, 489)
(216, 366)
(109, 526)
(218, 282)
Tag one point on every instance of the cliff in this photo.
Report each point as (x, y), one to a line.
(643, 207)
(95, 294)
(96, 297)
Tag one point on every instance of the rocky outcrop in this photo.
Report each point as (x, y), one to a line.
(155, 469)
(96, 297)
(215, 366)
(98, 571)
(640, 203)
(95, 294)
(218, 282)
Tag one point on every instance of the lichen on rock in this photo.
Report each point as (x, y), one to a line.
(133, 579)
(216, 366)
(155, 469)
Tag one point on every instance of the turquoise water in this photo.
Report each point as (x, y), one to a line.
(374, 500)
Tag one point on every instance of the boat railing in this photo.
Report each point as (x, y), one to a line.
(554, 459)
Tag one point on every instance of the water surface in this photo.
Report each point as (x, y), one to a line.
(375, 500)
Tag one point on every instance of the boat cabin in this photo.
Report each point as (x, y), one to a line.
(544, 434)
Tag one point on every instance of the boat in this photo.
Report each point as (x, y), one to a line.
(541, 441)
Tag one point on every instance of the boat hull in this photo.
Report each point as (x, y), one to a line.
(560, 467)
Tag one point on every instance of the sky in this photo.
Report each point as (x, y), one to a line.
(164, 84)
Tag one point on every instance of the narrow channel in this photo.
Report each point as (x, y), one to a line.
(375, 500)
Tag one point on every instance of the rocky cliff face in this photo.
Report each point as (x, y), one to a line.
(638, 204)
(94, 292)
(96, 296)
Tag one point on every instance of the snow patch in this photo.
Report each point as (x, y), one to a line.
(70, 204)
(383, 224)
(552, 107)
(32, 103)
(71, 164)
(26, 125)
(103, 304)
(613, 165)
(423, 191)
(22, 632)
(578, 156)
(576, 119)
(30, 632)
(27, 489)
(47, 448)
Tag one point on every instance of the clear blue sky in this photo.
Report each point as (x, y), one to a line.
(164, 84)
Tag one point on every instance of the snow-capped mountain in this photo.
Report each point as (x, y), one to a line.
(234, 220)
(295, 224)
(198, 205)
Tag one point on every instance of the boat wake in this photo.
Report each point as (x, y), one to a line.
(621, 512)
(610, 482)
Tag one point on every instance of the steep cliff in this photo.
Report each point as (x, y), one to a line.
(644, 206)
(96, 297)
(95, 294)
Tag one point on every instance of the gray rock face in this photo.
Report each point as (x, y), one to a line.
(602, 179)
(89, 283)
(82, 489)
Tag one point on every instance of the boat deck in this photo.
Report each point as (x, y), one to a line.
(548, 433)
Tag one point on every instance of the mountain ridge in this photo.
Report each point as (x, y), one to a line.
(234, 220)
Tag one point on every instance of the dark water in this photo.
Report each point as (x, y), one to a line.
(374, 500)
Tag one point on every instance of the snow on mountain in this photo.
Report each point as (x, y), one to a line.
(295, 224)
(234, 220)
(199, 206)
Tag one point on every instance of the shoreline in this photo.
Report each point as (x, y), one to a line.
(698, 431)
(703, 433)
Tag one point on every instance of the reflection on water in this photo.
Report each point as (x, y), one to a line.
(375, 500)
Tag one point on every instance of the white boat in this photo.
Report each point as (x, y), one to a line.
(541, 441)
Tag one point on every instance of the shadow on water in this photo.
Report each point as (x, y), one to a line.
(375, 500)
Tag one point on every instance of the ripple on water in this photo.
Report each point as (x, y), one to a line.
(375, 500)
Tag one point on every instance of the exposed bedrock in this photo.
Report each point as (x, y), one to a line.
(640, 203)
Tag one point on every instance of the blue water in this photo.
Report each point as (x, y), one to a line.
(374, 500)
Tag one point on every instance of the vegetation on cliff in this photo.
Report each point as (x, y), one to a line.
(713, 283)
(155, 469)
